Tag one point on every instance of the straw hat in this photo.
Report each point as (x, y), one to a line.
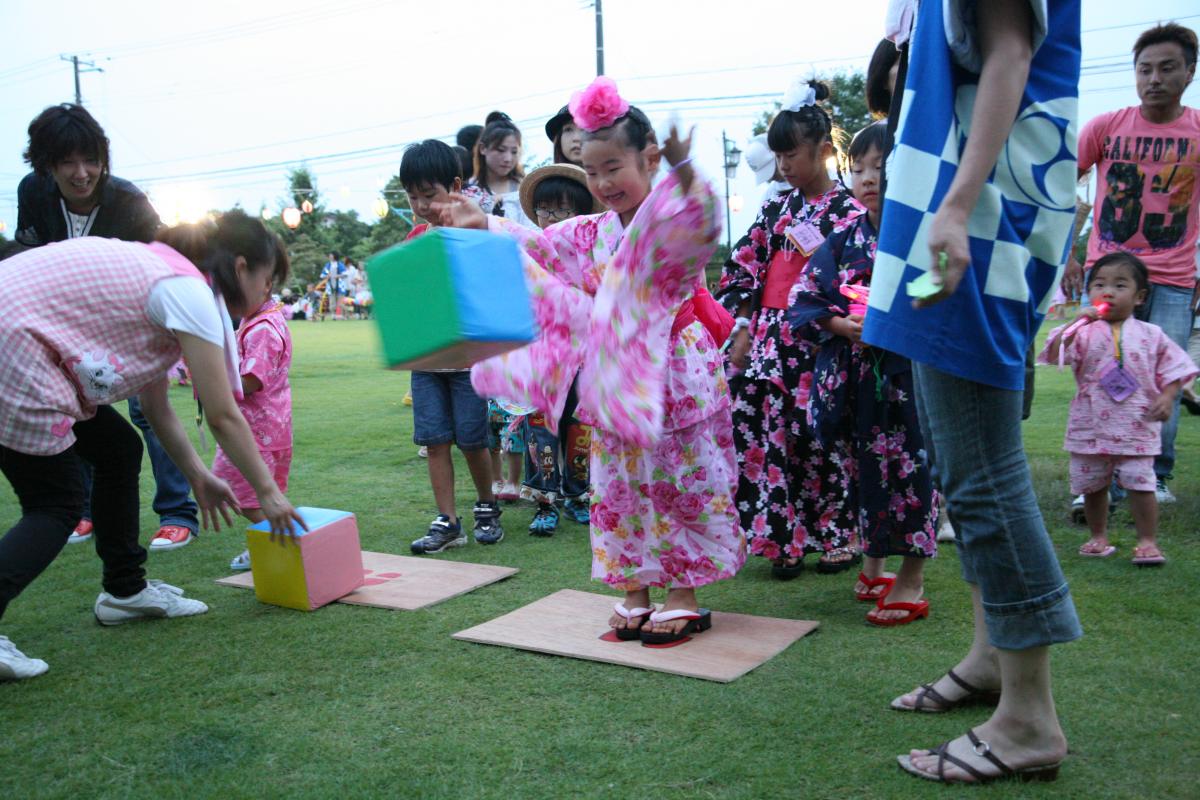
(530, 183)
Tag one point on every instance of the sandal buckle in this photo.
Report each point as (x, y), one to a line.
(982, 749)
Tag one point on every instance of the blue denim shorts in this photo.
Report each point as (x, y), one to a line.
(446, 409)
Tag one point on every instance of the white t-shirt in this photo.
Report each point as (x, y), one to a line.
(188, 305)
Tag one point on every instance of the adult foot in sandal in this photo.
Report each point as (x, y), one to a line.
(974, 679)
(677, 600)
(990, 752)
(929, 700)
(634, 601)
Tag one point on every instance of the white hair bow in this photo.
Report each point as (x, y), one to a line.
(799, 94)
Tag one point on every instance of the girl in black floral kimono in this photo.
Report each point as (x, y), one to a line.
(792, 490)
(864, 395)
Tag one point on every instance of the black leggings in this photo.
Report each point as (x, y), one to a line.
(50, 489)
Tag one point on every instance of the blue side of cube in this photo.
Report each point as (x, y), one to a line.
(489, 286)
(313, 517)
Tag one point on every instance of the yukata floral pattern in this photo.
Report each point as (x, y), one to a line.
(792, 490)
(863, 396)
(662, 461)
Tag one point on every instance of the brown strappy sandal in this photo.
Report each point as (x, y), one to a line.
(974, 696)
(1040, 772)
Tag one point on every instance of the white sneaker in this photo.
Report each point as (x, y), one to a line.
(157, 600)
(423, 451)
(945, 531)
(1163, 493)
(15, 665)
(241, 562)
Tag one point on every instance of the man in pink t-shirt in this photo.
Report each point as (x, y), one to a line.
(1147, 194)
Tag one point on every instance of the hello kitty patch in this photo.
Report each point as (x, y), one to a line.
(98, 373)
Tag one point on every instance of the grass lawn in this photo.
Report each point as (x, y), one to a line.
(251, 700)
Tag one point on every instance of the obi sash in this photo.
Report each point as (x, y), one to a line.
(711, 314)
(782, 272)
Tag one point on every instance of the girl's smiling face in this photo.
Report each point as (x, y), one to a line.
(618, 175)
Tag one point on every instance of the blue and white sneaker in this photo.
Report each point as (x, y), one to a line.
(443, 534)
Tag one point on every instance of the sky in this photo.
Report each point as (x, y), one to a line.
(208, 104)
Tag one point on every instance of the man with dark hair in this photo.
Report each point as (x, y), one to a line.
(1148, 196)
(69, 194)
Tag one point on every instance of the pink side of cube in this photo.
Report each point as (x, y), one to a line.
(332, 558)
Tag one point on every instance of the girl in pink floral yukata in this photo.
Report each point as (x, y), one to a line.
(1128, 373)
(265, 354)
(620, 297)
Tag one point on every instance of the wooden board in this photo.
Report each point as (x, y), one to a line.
(407, 582)
(570, 623)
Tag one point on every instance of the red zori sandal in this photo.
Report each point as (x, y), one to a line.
(915, 611)
(877, 588)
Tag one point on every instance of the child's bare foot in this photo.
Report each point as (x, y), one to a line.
(633, 600)
(677, 599)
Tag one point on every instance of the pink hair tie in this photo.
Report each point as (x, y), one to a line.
(598, 106)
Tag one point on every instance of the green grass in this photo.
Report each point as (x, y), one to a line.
(257, 701)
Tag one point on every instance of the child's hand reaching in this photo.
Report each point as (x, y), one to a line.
(460, 212)
(675, 151)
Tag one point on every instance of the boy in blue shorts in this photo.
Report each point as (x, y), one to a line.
(445, 407)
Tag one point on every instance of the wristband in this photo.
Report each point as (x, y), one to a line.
(687, 160)
(741, 323)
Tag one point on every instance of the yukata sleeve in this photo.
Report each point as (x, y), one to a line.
(817, 296)
(1071, 353)
(747, 261)
(261, 352)
(1172, 363)
(539, 375)
(659, 264)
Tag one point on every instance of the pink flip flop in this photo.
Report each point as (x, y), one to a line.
(1148, 561)
(1105, 553)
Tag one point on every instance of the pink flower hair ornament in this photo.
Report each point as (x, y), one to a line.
(598, 106)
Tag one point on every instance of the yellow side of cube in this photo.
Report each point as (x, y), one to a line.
(278, 571)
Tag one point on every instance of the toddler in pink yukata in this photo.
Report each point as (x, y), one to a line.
(265, 353)
(1128, 373)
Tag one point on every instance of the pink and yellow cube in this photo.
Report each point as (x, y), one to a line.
(311, 568)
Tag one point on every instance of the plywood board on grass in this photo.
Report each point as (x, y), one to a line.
(407, 583)
(570, 623)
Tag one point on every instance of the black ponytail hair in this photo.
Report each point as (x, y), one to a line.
(498, 127)
(214, 244)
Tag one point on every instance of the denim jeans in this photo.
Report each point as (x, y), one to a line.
(974, 433)
(172, 494)
(1170, 308)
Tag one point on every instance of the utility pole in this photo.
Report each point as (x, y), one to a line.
(90, 66)
(599, 39)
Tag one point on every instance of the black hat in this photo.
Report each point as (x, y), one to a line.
(555, 125)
